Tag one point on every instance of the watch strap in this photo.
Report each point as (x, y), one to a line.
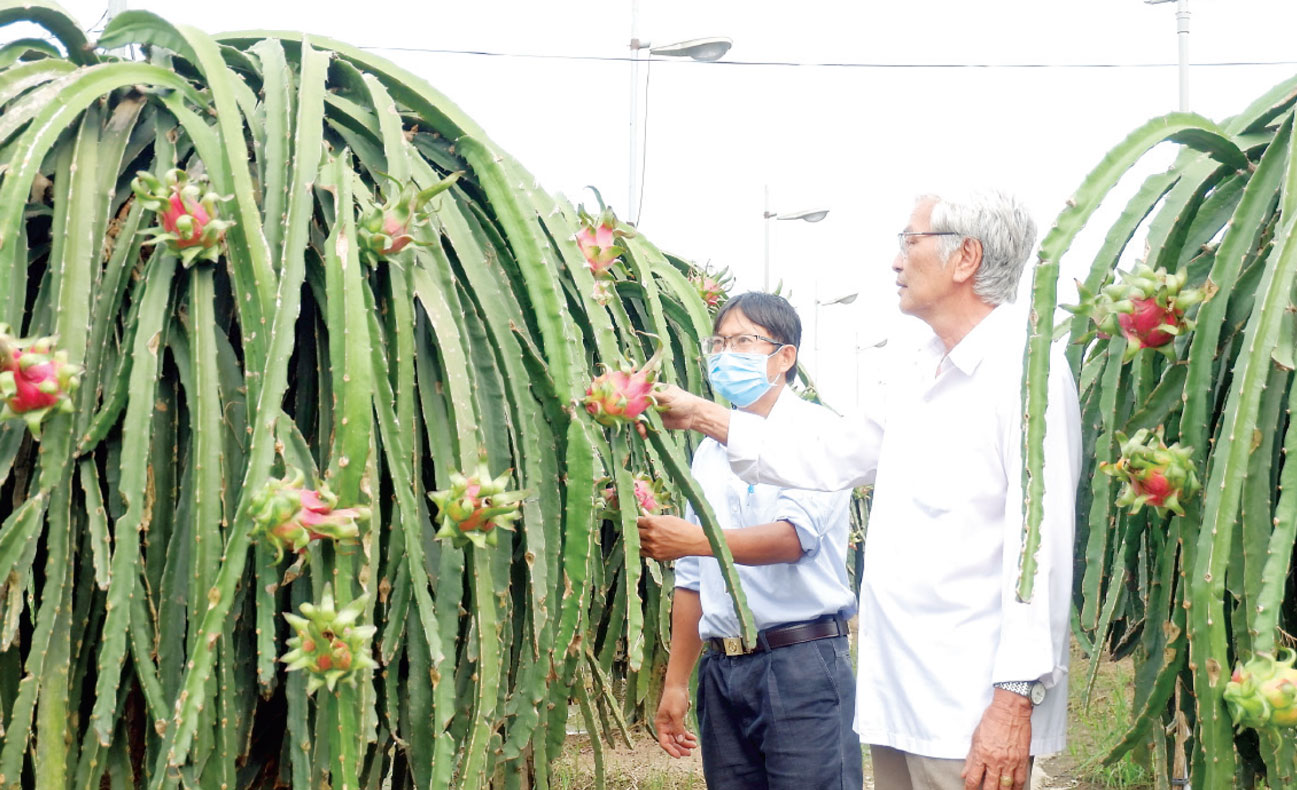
(1019, 687)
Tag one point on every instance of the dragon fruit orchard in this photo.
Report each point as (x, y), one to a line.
(272, 260)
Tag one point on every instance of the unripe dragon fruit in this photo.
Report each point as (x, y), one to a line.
(1263, 692)
(36, 380)
(1154, 474)
(387, 229)
(651, 498)
(290, 516)
(1147, 308)
(712, 289)
(475, 505)
(622, 396)
(328, 644)
(191, 226)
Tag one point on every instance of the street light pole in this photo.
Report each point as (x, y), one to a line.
(848, 299)
(809, 215)
(1182, 33)
(699, 49)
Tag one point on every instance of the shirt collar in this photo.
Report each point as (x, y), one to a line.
(969, 352)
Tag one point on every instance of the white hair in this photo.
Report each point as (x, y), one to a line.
(1001, 222)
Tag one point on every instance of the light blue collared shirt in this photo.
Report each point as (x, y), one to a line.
(781, 593)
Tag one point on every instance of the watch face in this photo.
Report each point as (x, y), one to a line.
(1037, 693)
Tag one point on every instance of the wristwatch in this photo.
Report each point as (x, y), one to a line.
(1033, 690)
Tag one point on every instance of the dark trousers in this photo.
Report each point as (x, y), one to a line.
(780, 719)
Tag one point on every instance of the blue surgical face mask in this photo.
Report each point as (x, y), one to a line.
(739, 377)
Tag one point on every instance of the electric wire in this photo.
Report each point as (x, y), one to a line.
(824, 64)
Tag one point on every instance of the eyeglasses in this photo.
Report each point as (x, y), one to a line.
(744, 343)
(903, 237)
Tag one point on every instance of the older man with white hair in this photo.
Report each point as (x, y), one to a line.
(959, 683)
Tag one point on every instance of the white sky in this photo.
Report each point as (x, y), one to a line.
(860, 141)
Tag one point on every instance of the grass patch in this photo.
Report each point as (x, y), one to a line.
(1096, 728)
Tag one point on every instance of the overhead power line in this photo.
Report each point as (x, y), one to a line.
(831, 64)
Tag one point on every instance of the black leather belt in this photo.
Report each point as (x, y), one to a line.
(781, 636)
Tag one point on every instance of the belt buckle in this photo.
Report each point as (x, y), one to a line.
(733, 646)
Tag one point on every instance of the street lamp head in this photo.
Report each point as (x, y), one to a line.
(813, 215)
(848, 299)
(703, 49)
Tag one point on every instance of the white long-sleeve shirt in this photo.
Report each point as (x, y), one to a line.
(786, 592)
(939, 619)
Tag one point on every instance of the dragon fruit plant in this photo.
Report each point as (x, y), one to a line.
(651, 498)
(290, 516)
(191, 225)
(387, 229)
(328, 644)
(1154, 474)
(1147, 307)
(475, 505)
(36, 380)
(622, 396)
(1263, 692)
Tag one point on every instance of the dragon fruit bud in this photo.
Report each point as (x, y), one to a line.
(475, 505)
(1263, 692)
(328, 643)
(621, 396)
(599, 240)
(36, 380)
(290, 516)
(387, 229)
(651, 498)
(191, 226)
(1153, 473)
(1147, 307)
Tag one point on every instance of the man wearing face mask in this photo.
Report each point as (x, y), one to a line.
(779, 715)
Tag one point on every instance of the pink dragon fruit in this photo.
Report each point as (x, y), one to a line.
(475, 505)
(35, 380)
(1263, 692)
(290, 516)
(1147, 308)
(1154, 474)
(599, 237)
(651, 498)
(387, 229)
(328, 644)
(191, 226)
(712, 289)
(622, 396)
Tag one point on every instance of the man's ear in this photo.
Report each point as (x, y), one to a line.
(786, 358)
(967, 260)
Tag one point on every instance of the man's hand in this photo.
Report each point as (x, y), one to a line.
(670, 538)
(679, 406)
(1001, 745)
(674, 739)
